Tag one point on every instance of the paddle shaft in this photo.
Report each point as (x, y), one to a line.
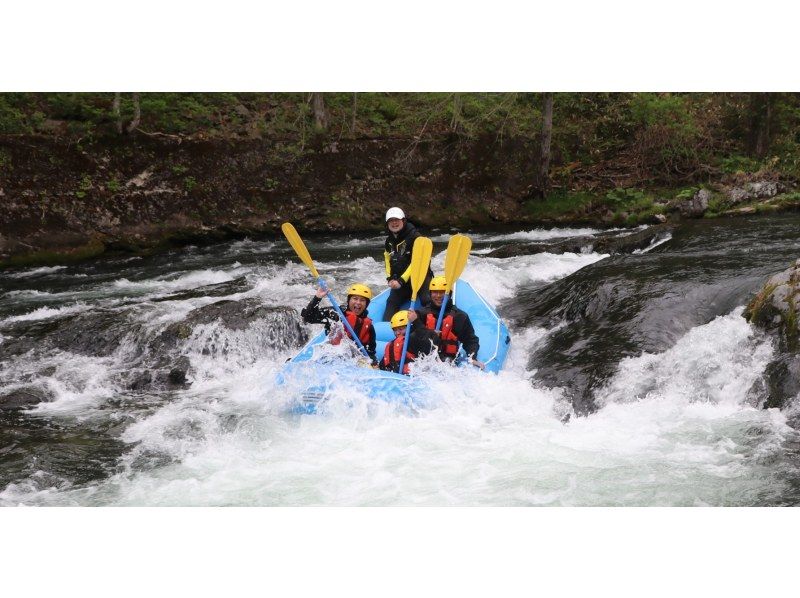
(405, 340)
(420, 264)
(342, 318)
(457, 254)
(441, 313)
(302, 252)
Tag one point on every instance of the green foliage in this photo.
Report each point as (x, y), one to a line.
(653, 109)
(12, 117)
(738, 163)
(716, 205)
(114, 185)
(189, 183)
(685, 194)
(624, 196)
(560, 203)
(179, 169)
(5, 160)
(662, 137)
(790, 197)
(84, 186)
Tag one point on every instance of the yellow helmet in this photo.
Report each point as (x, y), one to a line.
(439, 283)
(361, 290)
(400, 319)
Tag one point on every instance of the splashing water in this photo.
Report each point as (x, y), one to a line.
(674, 428)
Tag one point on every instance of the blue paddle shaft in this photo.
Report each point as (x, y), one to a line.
(405, 342)
(343, 320)
(441, 313)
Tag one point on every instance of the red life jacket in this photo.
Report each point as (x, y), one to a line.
(449, 343)
(360, 326)
(392, 353)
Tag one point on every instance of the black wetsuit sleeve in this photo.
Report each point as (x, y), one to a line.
(371, 344)
(314, 314)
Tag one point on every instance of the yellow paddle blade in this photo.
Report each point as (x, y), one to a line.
(420, 263)
(299, 247)
(456, 259)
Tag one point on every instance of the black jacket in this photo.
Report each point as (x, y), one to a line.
(462, 325)
(314, 314)
(421, 342)
(397, 253)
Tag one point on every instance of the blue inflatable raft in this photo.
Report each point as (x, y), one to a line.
(317, 371)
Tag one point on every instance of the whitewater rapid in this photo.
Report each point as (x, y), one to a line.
(675, 428)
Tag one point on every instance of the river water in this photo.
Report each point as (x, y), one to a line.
(629, 382)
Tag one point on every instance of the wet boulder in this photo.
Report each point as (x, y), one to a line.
(774, 309)
(96, 333)
(20, 398)
(208, 330)
(177, 375)
(281, 325)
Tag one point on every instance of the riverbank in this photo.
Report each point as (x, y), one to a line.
(67, 199)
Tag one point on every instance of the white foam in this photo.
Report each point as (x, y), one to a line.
(715, 363)
(498, 278)
(186, 281)
(36, 271)
(44, 313)
(675, 428)
(655, 242)
(538, 234)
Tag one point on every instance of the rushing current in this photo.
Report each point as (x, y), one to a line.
(629, 381)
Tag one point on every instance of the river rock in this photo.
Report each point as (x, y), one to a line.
(177, 375)
(23, 397)
(754, 190)
(696, 206)
(774, 309)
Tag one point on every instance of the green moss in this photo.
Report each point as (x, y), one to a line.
(754, 312)
(791, 331)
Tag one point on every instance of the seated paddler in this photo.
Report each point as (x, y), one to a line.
(420, 342)
(456, 327)
(358, 298)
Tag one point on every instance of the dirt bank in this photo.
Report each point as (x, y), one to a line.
(65, 200)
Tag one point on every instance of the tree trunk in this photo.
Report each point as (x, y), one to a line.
(318, 107)
(547, 133)
(760, 123)
(115, 110)
(763, 142)
(137, 113)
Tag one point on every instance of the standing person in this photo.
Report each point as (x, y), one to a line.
(358, 298)
(456, 325)
(397, 257)
(421, 342)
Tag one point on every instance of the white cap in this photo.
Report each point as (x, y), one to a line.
(394, 213)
